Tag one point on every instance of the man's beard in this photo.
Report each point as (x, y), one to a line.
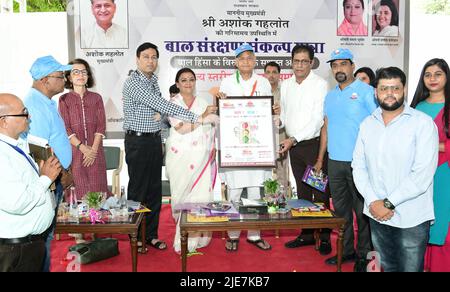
(396, 105)
(340, 77)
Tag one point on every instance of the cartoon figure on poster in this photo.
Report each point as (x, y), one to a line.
(244, 132)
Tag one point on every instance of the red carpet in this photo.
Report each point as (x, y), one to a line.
(214, 259)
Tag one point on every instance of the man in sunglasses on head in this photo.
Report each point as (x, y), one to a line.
(48, 81)
(26, 204)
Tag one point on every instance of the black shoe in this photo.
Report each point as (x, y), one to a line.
(345, 259)
(360, 266)
(299, 242)
(325, 247)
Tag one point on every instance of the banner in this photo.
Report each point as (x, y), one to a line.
(202, 35)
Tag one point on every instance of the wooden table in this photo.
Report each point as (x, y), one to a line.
(129, 227)
(263, 222)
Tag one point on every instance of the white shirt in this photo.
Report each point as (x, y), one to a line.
(388, 31)
(25, 202)
(398, 162)
(302, 106)
(241, 178)
(95, 37)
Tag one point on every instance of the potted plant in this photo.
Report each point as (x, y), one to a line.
(94, 200)
(271, 194)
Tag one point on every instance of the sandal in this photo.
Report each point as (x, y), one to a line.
(159, 244)
(260, 243)
(232, 244)
(140, 248)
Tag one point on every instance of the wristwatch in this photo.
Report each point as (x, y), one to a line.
(294, 141)
(388, 204)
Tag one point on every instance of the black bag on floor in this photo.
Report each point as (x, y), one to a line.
(97, 250)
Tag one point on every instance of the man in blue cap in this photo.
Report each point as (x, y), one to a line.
(345, 108)
(245, 82)
(48, 81)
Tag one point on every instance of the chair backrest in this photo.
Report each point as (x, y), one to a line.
(112, 157)
(114, 160)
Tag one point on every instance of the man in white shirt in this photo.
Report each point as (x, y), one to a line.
(272, 73)
(245, 82)
(26, 204)
(104, 33)
(302, 99)
(394, 162)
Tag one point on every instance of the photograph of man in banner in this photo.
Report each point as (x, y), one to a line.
(104, 24)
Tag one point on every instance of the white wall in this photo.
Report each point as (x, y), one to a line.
(25, 37)
(429, 39)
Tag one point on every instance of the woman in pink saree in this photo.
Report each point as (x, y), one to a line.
(190, 158)
(353, 23)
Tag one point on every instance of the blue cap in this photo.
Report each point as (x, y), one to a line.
(341, 54)
(44, 66)
(243, 48)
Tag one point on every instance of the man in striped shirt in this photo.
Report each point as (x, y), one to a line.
(142, 100)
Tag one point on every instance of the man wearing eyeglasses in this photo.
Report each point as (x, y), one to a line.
(104, 33)
(26, 204)
(48, 81)
(346, 106)
(302, 98)
(394, 162)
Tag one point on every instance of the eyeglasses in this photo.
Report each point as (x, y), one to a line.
(248, 59)
(79, 72)
(301, 62)
(397, 89)
(24, 113)
(58, 77)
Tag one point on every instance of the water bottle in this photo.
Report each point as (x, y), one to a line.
(73, 206)
(123, 202)
(282, 197)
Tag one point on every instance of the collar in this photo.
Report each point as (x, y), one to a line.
(100, 29)
(9, 140)
(240, 77)
(42, 97)
(352, 85)
(378, 113)
(142, 75)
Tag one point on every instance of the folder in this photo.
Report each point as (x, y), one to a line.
(39, 148)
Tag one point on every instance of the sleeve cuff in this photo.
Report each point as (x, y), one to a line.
(71, 135)
(103, 136)
(45, 181)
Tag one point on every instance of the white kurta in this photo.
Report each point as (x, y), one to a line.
(241, 178)
(94, 37)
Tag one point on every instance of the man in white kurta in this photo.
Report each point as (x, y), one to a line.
(245, 82)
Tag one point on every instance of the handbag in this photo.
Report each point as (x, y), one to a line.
(318, 181)
(97, 250)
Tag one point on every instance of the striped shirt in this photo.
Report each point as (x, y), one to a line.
(142, 99)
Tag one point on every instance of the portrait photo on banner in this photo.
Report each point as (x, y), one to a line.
(103, 24)
(352, 17)
(385, 18)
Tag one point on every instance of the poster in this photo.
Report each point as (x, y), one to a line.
(246, 132)
(202, 35)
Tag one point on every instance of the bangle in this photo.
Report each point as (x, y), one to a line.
(78, 146)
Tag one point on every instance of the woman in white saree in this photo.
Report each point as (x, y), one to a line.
(190, 158)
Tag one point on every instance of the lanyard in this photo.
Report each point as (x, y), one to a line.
(239, 82)
(24, 155)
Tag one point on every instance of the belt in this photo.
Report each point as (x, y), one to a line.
(141, 134)
(22, 240)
